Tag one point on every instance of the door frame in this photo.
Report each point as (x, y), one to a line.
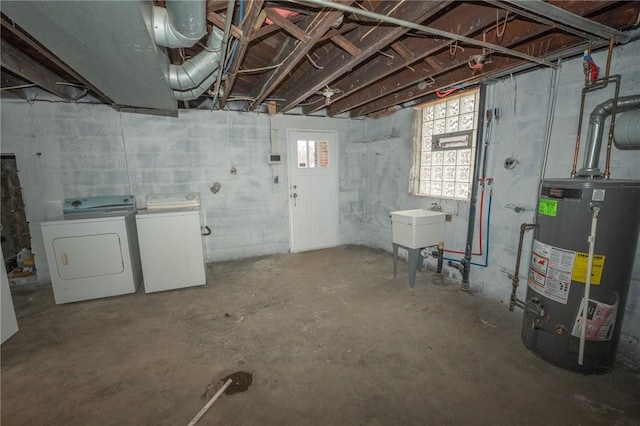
(334, 160)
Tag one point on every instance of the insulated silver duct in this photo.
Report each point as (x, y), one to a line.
(596, 131)
(187, 95)
(181, 24)
(193, 71)
(627, 132)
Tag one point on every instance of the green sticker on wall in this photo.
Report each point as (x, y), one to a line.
(548, 207)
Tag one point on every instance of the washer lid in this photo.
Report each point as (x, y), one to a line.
(100, 204)
(173, 201)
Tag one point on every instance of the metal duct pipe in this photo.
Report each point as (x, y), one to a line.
(187, 95)
(193, 71)
(596, 130)
(181, 24)
(627, 132)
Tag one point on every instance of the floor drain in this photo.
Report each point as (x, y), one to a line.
(241, 380)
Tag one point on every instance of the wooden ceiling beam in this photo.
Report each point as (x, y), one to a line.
(516, 32)
(31, 70)
(389, 63)
(402, 50)
(379, 36)
(434, 63)
(253, 20)
(346, 45)
(290, 55)
(272, 28)
(568, 20)
(8, 26)
(286, 25)
(14, 85)
(345, 28)
(219, 22)
(216, 5)
(552, 42)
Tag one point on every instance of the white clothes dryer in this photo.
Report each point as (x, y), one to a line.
(92, 251)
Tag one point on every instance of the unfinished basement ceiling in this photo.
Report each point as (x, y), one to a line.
(359, 58)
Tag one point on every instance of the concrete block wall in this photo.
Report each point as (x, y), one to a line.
(386, 150)
(523, 102)
(66, 150)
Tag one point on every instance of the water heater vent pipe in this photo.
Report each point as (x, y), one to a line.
(596, 131)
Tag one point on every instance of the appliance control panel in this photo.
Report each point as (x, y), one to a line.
(99, 204)
(173, 200)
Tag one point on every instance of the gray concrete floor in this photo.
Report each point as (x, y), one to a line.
(330, 337)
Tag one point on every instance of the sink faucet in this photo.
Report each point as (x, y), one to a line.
(435, 207)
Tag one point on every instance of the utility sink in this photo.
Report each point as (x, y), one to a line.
(417, 228)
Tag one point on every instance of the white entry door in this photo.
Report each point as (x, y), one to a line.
(313, 189)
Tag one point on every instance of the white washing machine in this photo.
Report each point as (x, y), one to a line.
(92, 250)
(171, 243)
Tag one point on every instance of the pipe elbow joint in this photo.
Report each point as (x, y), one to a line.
(166, 35)
(192, 72)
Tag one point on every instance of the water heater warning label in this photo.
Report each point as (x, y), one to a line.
(601, 320)
(550, 272)
(580, 269)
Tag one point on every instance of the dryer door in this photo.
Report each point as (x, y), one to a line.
(88, 256)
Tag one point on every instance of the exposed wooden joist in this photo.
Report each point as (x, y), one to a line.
(216, 5)
(345, 28)
(219, 22)
(286, 25)
(519, 31)
(541, 19)
(346, 45)
(14, 85)
(410, 24)
(29, 69)
(7, 26)
(564, 17)
(337, 65)
(553, 42)
(290, 55)
(388, 63)
(253, 20)
(433, 63)
(272, 28)
(402, 50)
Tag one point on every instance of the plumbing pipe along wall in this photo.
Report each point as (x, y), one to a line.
(474, 192)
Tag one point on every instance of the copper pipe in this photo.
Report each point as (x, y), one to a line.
(577, 149)
(598, 84)
(516, 274)
(609, 52)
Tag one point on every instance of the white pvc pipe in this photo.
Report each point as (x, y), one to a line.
(204, 409)
(587, 285)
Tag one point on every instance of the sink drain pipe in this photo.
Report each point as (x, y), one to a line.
(466, 261)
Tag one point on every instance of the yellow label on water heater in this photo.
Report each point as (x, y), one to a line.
(580, 268)
(548, 207)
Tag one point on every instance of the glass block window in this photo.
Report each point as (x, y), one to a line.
(444, 147)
